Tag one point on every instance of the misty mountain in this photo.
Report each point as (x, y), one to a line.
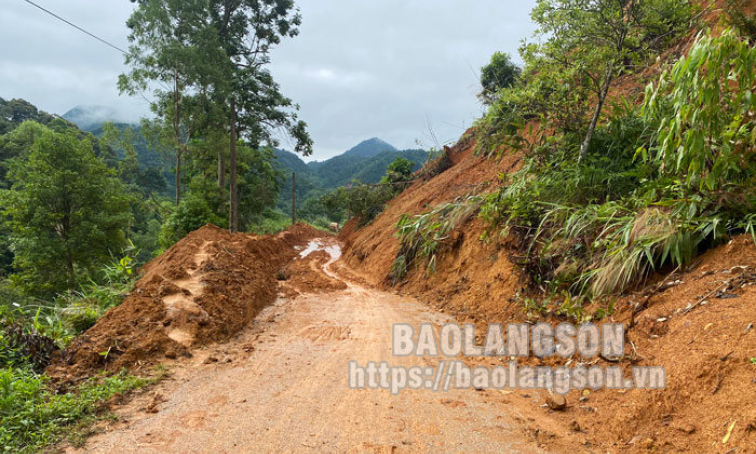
(89, 117)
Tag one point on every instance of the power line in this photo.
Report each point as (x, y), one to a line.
(76, 27)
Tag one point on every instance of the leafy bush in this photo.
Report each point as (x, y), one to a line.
(365, 201)
(33, 416)
(192, 213)
(273, 221)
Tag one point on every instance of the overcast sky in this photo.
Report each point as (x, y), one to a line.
(359, 68)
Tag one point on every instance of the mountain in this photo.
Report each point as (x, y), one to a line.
(89, 117)
(367, 163)
(369, 148)
(291, 162)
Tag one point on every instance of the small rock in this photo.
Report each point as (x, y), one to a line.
(684, 427)
(575, 427)
(211, 359)
(556, 402)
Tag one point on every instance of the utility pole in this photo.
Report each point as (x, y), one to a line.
(293, 198)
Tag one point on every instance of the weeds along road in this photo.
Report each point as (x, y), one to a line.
(282, 386)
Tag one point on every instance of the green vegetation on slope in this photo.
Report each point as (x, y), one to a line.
(657, 184)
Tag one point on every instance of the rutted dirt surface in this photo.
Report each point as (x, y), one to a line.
(281, 386)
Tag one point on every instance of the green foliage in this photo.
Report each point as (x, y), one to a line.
(360, 200)
(192, 213)
(33, 416)
(272, 221)
(657, 184)
(500, 73)
(398, 172)
(704, 107)
(67, 211)
(583, 47)
(422, 236)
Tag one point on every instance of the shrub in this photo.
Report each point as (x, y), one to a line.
(192, 213)
(656, 185)
(33, 416)
(422, 236)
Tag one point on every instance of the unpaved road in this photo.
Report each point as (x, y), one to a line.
(281, 386)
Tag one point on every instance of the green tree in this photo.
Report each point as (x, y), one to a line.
(67, 211)
(498, 74)
(399, 171)
(247, 31)
(169, 56)
(598, 40)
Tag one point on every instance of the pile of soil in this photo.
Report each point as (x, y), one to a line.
(204, 289)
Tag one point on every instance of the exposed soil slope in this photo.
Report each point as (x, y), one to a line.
(699, 323)
(205, 288)
(474, 278)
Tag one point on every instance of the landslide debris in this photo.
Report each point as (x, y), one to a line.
(204, 289)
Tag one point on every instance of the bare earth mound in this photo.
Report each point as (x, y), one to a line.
(204, 289)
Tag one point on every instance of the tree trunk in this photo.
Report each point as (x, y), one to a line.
(233, 215)
(221, 169)
(596, 114)
(178, 176)
(293, 198)
(177, 131)
(221, 177)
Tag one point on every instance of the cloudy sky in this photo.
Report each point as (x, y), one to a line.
(394, 69)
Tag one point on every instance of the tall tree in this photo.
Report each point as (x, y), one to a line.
(247, 31)
(599, 39)
(167, 58)
(68, 211)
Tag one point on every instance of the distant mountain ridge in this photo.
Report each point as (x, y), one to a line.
(367, 163)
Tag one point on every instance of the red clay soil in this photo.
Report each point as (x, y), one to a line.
(204, 289)
(305, 275)
(476, 278)
(707, 351)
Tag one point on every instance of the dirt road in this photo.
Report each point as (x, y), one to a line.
(281, 386)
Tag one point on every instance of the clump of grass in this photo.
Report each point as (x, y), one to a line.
(32, 415)
(423, 236)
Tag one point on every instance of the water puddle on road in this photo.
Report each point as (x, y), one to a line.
(334, 250)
